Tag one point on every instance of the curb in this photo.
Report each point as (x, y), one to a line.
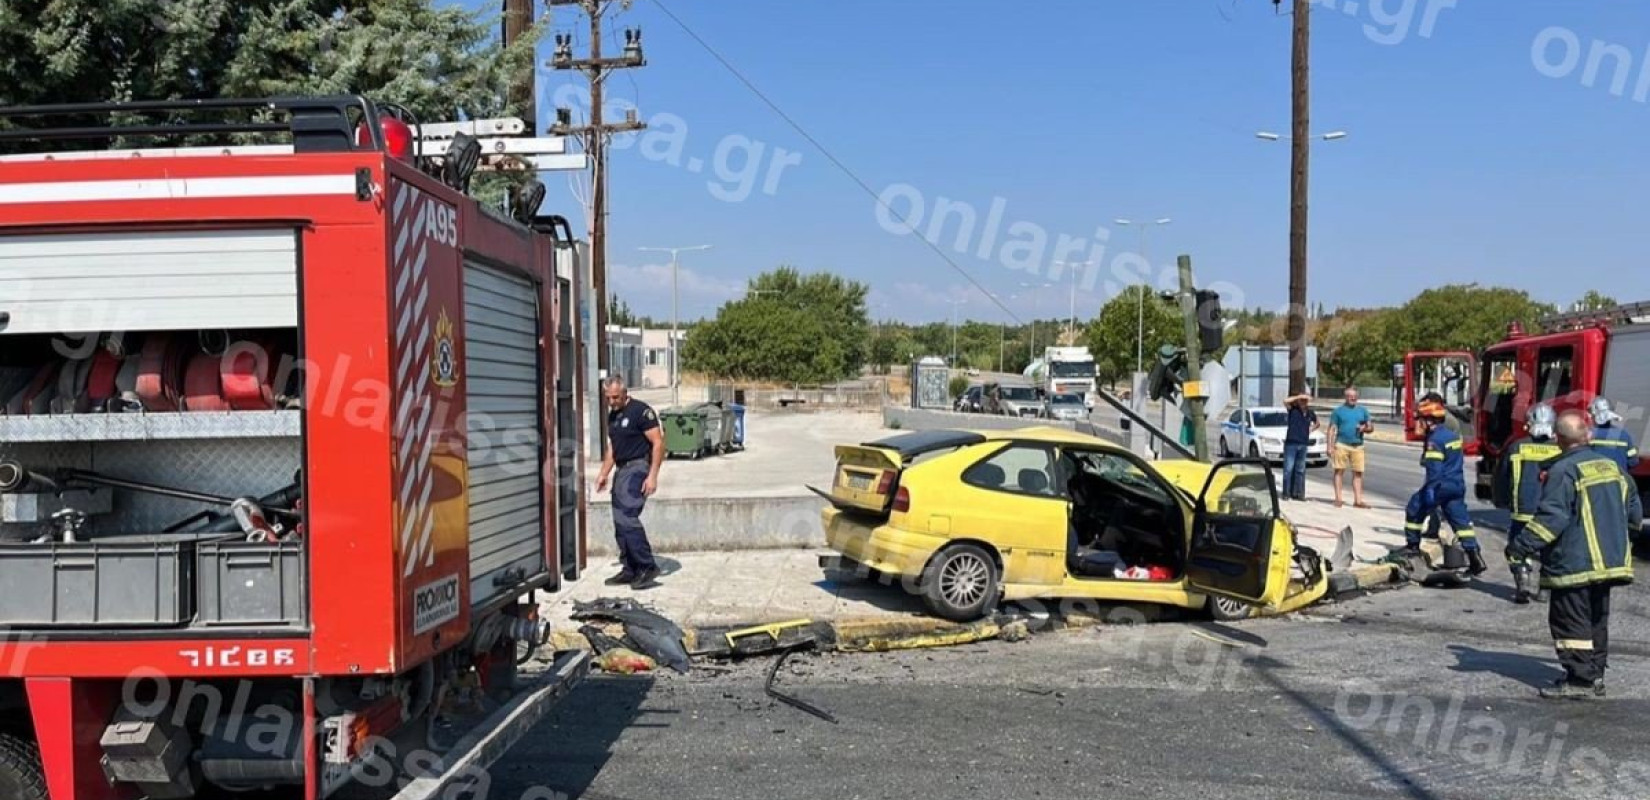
(1364, 577)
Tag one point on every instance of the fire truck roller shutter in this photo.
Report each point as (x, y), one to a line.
(506, 441)
(1627, 378)
(149, 280)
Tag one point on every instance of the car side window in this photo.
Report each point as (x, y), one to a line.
(1020, 469)
(1237, 418)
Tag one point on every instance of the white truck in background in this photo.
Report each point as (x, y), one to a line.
(1065, 370)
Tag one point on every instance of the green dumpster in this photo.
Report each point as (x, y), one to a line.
(684, 430)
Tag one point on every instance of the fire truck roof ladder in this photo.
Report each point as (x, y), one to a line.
(315, 124)
(1627, 314)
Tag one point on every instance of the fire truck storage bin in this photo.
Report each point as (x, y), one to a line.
(115, 580)
(250, 583)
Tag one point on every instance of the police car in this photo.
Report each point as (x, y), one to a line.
(1259, 432)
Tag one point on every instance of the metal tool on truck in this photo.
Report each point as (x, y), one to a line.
(289, 445)
(1573, 358)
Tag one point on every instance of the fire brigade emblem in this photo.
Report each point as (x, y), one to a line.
(444, 361)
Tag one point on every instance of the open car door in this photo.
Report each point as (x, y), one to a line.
(1451, 374)
(1240, 548)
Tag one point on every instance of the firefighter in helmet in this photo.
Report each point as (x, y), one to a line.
(1610, 438)
(1444, 489)
(1517, 488)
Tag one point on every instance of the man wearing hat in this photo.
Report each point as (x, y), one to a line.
(1297, 439)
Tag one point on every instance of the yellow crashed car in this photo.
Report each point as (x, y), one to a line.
(967, 519)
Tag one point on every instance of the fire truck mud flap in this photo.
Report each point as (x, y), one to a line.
(466, 763)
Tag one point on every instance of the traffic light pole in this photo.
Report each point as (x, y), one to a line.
(1194, 391)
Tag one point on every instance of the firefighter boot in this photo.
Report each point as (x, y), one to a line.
(1522, 593)
(1475, 562)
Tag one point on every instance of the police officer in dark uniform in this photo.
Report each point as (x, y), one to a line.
(1580, 531)
(1517, 487)
(637, 450)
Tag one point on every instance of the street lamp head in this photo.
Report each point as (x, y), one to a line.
(1267, 136)
(1333, 135)
(1164, 221)
(1123, 222)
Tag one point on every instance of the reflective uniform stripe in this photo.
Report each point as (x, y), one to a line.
(1586, 578)
(1466, 533)
(1573, 644)
(1541, 532)
(1454, 444)
(1413, 526)
(1523, 517)
(1433, 455)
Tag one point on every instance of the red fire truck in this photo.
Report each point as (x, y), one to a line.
(290, 441)
(1574, 358)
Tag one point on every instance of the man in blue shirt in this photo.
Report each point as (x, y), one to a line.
(637, 450)
(1347, 426)
(1297, 439)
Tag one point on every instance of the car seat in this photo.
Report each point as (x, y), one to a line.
(1033, 481)
(990, 475)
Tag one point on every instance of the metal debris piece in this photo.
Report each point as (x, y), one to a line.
(793, 702)
(653, 634)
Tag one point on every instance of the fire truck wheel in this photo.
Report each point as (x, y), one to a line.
(21, 776)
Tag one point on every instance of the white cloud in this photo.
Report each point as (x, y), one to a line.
(646, 288)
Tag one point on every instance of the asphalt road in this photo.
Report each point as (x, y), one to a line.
(1416, 693)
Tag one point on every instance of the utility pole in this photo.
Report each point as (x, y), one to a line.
(1301, 149)
(595, 137)
(518, 20)
(1195, 393)
(954, 305)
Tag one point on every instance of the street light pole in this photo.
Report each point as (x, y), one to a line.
(675, 323)
(1140, 299)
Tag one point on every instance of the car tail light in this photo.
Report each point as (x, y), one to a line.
(885, 482)
(902, 500)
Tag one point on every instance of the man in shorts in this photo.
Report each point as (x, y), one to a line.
(1347, 426)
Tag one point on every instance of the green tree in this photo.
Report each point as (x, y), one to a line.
(789, 327)
(885, 350)
(1354, 349)
(1461, 317)
(1594, 300)
(1112, 335)
(618, 313)
(442, 63)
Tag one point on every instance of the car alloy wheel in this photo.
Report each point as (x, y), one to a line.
(1227, 609)
(961, 583)
(963, 580)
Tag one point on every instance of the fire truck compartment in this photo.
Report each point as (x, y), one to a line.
(503, 427)
(1627, 370)
(149, 280)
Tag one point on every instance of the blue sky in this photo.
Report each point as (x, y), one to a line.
(1469, 157)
